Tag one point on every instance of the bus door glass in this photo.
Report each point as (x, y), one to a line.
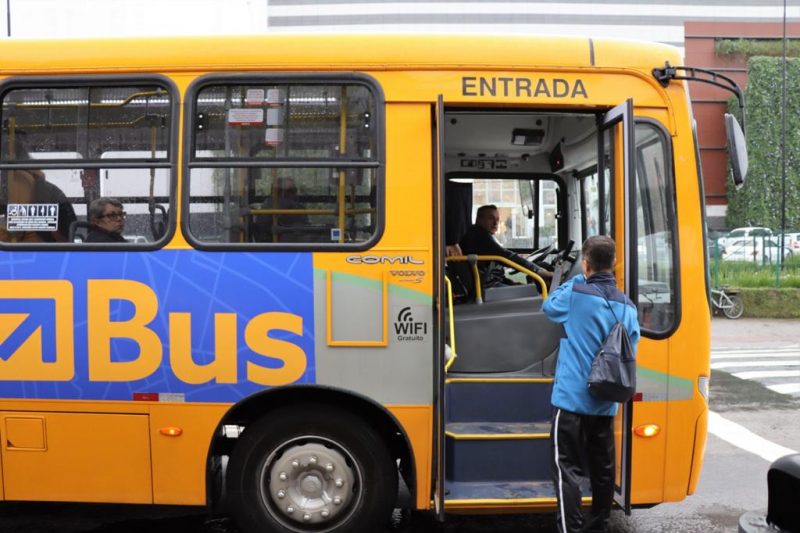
(616, 155)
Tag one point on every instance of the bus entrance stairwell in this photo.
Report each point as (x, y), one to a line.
(499, 364)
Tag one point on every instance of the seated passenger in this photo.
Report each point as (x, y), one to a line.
(284, 196)
(29, 187)
(107, 219)
(479, 240)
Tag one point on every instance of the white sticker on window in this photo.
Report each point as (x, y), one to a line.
(254, 97)
(32, 217)
(245, 117)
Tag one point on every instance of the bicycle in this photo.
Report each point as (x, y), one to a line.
(727, 301)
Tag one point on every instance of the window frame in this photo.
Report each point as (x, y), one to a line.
(562, 230)
(672, 214)
(377, 163)
(170, 163)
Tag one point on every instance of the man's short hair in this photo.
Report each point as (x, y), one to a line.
(600, 251)
(98, 207)
(482, 210)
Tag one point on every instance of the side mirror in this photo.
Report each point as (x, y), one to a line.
(737, 149)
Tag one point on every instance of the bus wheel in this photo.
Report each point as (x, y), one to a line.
(311, 469)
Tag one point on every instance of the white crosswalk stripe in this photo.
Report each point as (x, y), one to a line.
(775, 368)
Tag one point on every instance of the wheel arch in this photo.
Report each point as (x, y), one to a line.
(260, 405)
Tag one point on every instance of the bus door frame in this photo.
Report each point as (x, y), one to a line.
(440, 298)
(623, 229)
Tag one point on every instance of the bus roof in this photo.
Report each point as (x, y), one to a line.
(328, 52)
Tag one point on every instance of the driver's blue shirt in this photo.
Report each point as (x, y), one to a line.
(579, 305)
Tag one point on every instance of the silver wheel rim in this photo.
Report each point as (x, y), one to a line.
(310, 481)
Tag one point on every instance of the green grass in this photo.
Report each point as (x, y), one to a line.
(751, 275)
(761, 295)
(771, 303)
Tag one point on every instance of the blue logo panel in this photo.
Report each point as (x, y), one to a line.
(226, 324)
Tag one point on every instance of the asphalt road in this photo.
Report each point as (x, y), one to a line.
(733, 479)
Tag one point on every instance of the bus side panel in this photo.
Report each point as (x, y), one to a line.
(2, 480)
(77, 457)
(417, 421)
(373, 310)
(179, 462)
(647, 473)
(690, 345)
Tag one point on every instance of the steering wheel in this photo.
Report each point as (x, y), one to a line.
(565, 255)
(564, 264)
(537, 257)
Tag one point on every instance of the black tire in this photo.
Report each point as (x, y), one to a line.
(280, 462)
(736, 309)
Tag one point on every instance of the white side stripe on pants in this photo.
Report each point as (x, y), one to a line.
(560, 481)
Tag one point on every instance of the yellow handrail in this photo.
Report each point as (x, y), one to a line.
(506, 262)
(296, 211)
(450, 362)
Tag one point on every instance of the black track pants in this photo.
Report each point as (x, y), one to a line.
(573, 437)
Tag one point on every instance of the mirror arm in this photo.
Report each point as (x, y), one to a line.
(668, 73)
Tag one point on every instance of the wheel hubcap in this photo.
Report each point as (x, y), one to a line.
(311, 483)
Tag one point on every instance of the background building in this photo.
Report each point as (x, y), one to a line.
(710, 103)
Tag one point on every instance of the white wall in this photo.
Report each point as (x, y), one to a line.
(102, 18)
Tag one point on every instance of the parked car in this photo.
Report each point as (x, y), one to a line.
(758, 250)
(742, 233)
(791, 240)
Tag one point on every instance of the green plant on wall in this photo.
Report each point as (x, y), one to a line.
(756, 47)
(758, 202)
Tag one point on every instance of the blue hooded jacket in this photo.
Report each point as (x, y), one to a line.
(587, 320)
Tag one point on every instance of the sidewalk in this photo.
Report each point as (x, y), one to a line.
(760, 332)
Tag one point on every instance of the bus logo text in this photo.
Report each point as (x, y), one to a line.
(29, 358)
(522, 87)
(383, 260)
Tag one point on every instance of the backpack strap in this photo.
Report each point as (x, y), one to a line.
(609, 306)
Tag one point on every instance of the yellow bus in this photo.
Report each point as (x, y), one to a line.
(275, 331)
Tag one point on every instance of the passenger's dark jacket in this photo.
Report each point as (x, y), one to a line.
(479, 241)
(98, 234)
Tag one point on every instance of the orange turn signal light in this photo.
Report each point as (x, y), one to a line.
(647, 430)
(171, 431)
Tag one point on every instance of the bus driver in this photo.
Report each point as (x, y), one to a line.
(480, 240)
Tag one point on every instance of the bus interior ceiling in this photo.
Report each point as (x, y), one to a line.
(523, 141)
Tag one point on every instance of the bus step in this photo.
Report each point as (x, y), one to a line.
(465, 494)
(495, 452)
(498, 399)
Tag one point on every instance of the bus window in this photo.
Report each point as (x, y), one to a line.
(283, 164)
(529, 210)
(593, 196)
(64, 146)
(656, 237)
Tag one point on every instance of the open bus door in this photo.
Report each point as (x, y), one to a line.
(439, 372)
(616, 159)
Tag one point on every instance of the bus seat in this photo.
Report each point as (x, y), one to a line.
(461, 279)
(78, 229)
(510, 292)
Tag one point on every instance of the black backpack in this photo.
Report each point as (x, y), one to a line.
(613, 374)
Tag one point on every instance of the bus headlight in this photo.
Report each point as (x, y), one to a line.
(702, 386)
